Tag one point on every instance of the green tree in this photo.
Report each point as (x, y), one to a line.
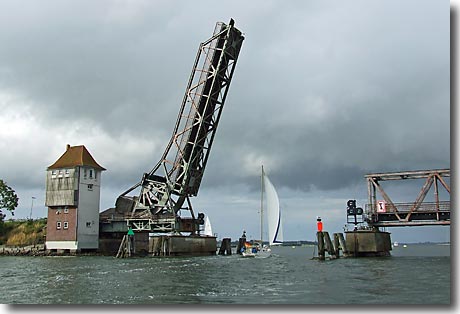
(8, 199)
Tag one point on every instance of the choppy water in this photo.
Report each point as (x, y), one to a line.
(418, 274)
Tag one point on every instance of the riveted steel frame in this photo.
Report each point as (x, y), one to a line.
(178, 174)
(417, 213)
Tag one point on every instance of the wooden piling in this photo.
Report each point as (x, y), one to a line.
(336, 245)
(328, 243)
(156, 250)
(226, 247)
(122, 249)
(131, 245)
(165, 246)
(126, 248)
(321, 248)
(343, 244)
(332, 248)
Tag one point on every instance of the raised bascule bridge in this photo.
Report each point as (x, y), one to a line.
(162, 208)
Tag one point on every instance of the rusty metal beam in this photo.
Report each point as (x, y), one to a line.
(417, 213)
(385, 197)
(401, 175)
(443, 183)
(421, 196)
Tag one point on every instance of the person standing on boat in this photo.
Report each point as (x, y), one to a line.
(319, 224)
(241, 243)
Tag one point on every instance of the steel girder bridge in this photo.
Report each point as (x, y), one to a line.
(166, 190)
(383, 212)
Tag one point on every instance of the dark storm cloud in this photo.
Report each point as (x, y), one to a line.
(359, 89)
(323, 92)
(84, 60)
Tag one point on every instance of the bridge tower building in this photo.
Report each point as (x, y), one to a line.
(73, 185)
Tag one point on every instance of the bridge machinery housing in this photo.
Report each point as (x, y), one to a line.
(166, 190)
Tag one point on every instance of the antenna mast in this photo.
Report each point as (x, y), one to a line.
(262, 207)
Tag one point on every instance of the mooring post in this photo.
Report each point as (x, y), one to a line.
(156, 246)
(336, 245)
(166, 246)
(129, 246)
(328, 242)
(321, 251)
(225, 247)
(121, 248)
(343, 244)
(130, 242)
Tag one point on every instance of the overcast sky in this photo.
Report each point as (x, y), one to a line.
(324, 92)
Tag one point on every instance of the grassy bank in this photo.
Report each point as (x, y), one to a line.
(22, 232)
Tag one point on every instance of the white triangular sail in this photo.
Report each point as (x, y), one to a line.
(207, 227)
(275, 231)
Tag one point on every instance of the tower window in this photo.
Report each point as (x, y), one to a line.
(91, 173)
(66, 225)
(58, 225)
(90, 187)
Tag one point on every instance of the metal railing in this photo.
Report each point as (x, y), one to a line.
(407, 207)
(408, 214)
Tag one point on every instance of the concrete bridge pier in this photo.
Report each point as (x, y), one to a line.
(368, 243)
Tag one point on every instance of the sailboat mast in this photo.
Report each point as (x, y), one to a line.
(262, 206)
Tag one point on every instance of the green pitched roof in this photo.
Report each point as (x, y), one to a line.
(76, 156)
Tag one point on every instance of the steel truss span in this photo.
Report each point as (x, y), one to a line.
(385, 213)
(167, 188)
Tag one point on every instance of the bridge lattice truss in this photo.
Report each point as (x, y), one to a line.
(385, 213)
(178, 174)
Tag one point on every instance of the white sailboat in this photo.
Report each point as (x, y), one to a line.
(207, 227)
(275, 232)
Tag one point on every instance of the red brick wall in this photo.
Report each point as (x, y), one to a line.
(58, 214)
